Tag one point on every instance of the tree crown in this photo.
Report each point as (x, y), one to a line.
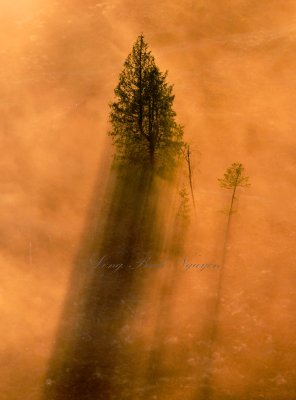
(142, 116)
(234, 177)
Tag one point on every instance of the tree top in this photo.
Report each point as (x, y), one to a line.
(234, 176)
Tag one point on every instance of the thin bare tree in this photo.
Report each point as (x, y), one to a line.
(187, 156)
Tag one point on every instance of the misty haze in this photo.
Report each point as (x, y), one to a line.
(147, 202)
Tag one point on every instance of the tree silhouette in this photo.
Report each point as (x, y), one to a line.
(142, 118)
(187, 156)
(233, 178)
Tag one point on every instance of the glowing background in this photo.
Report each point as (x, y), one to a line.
(233, 66)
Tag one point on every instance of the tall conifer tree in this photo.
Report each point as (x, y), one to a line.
(144, 128)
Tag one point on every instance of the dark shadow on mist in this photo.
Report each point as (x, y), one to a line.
(205, 385)
(86, 361)
(158, 374)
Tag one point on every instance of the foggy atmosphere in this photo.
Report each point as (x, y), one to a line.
(148, 196)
